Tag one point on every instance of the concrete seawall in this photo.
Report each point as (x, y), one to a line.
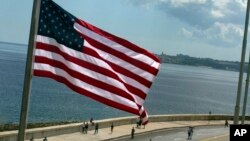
(76, 127)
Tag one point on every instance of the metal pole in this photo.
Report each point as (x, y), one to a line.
(246, 94)
(237, 105)
(28, 71)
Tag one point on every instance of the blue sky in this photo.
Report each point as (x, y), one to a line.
(200, 28)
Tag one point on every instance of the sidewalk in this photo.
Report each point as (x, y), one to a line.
(125, 130)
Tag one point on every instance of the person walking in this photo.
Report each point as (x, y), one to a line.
(112, 127)
(86, 128)
(45, 139)
(189, 134)
(96, 128)
(209, 116)
(226, 123)
(83, 127)
(91, 121)
(132, 133)
(192, 131)
(137, 122)
(140, 122)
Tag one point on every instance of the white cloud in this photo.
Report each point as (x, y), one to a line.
(228, 31)
(186, 32)
(219, 8)
(217, 13)
(213, 21)
(222, 34)
(178, 3)
(221, 4)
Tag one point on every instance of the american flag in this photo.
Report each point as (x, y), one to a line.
(93, 62)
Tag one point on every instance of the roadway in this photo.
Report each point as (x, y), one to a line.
(202, 133)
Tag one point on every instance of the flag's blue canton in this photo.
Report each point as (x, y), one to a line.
(57, 23)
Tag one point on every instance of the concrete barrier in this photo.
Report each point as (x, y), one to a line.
(76, 127)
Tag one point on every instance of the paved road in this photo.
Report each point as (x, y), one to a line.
(218, 133)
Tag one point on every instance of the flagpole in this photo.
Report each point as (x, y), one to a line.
(237, 105)
(246, 94)
(28, 71)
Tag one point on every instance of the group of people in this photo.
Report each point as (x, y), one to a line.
(138, 125)
(85, 126)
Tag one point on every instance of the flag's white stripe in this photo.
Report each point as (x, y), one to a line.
(97, 91)
(121, 63)
(144, 119)
(141, 110)
(93, 60)
(140, 57)
(95, 75)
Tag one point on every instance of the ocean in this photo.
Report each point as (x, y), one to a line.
(178, 89)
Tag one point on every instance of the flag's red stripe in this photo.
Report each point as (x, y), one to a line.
(122, 56)
(85, 92)
(90, 66)
(84, 78)
(119, 40)
(143, 114)
(119, 69)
